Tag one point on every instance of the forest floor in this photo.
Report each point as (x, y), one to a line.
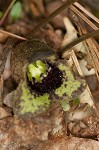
(77, 128)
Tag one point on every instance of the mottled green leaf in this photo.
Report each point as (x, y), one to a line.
(30, 103)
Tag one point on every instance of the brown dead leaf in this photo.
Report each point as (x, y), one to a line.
(3, 113)
(87, 128)
(37, 7)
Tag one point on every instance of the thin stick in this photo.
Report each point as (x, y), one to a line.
(6, 12)
(74, 58)
(86, 12)
(80, 39)
(13, 35)
(92, 51)
(52, 15)
(84, 18)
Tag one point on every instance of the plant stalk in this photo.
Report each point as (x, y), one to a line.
(78, 40)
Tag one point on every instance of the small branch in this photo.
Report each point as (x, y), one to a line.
(52, 15)
(13, 35)
(78, 40)
(6, 12)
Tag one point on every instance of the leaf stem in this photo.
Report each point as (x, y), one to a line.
(78, 40)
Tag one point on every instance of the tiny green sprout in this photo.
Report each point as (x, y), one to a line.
(35, 70)
(65, 105)
(76, 101)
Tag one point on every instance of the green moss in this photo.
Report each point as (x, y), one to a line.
(30, 103)
(69, 85)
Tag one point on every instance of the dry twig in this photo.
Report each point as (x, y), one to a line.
(80, 39)
(84, 18)
(12, 35)
(86, 12)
